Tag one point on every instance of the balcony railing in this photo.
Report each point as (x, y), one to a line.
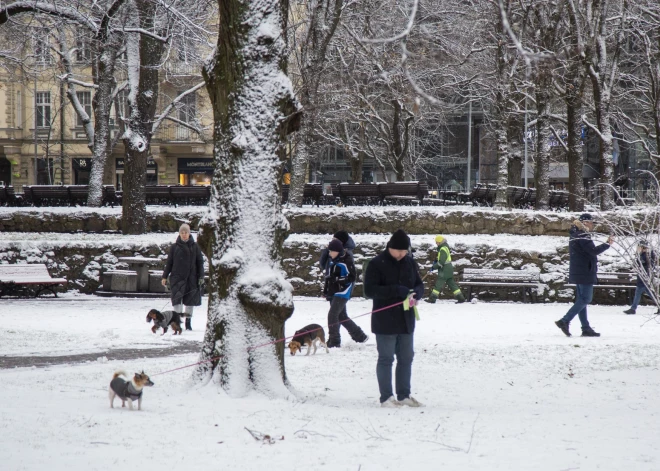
(178, 133)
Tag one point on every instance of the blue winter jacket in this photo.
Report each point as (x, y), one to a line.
(340, 276)
(583, 256)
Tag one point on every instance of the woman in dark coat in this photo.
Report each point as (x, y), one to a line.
(185, 267)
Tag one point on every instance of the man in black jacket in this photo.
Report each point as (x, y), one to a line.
(583, 267)
(389, 280)
(646, 260)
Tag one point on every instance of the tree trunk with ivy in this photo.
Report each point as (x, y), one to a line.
(254, 109)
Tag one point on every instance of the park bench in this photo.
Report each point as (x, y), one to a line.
(8, 196)
(312, 193)
(515, 195)
(483, 195)
(190, 195)
(527, 281)
(19, 279)
(158, 194)
(615, 281)
(558, 199)
(403, 192)
(530, 198)
(46, 195)
(358, 193)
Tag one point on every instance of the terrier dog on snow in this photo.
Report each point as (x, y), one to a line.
(128, 390)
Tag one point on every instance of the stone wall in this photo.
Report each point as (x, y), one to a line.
(325, 220)
(82, 264)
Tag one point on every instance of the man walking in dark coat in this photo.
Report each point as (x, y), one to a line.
(390, 278)
(582, 272)
(185, 267)
(646, 260)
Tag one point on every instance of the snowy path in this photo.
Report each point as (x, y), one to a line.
(504, 389)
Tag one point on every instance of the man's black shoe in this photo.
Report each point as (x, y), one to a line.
(589, 332)
(564, 327)
(630, 311)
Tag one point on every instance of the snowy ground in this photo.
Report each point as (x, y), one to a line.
(504, 390)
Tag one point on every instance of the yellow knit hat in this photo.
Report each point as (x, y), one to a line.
(439, 239)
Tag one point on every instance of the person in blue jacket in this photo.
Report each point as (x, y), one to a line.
(340, 276)
(345, 239)
(583, 268)
(646, 260)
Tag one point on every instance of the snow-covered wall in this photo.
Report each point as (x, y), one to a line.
(323, 220)
(82, 257)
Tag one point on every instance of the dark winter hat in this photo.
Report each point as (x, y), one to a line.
(586, 217)
(335, 245)
(399, 241)
(341, 235)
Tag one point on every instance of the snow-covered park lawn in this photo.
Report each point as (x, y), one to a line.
(504, 390)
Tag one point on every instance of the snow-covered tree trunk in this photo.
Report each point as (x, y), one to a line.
(500, 108)
(575, 156)
(254, 109)
(542, 171)
(144, 54)
(299, 162)
(104, 75)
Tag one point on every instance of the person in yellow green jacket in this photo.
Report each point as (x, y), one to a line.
(445, 272)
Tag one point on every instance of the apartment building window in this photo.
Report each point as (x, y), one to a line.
(19, 110)
(42, 110)
(83, 48)
(186, 112)
(42, 51)
(85, 99)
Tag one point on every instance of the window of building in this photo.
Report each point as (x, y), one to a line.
(42, 110)
(19, 110)
(42, 51)
(45, 171)
(186, 112)
(85, 99)
(83, 48)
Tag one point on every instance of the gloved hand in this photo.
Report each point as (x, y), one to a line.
(435, 266)
(402, 291)
(200, 282)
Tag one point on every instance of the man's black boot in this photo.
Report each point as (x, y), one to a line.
(564, 327)
(589, 332)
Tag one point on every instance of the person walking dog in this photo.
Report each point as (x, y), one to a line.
(390, 279)
(185, 269)
(646, 260)
(445, 272)
(583, 267)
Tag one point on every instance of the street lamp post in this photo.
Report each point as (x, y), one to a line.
(469, 147)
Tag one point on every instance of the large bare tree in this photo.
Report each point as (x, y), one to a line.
(254, 109)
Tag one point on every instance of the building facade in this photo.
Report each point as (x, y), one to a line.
(43, 140)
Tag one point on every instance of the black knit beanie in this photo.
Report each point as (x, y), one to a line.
(399, 241)
(341, 235)
(335, 245)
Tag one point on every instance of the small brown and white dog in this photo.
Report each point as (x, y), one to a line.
(128, 390)
(310, 335)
